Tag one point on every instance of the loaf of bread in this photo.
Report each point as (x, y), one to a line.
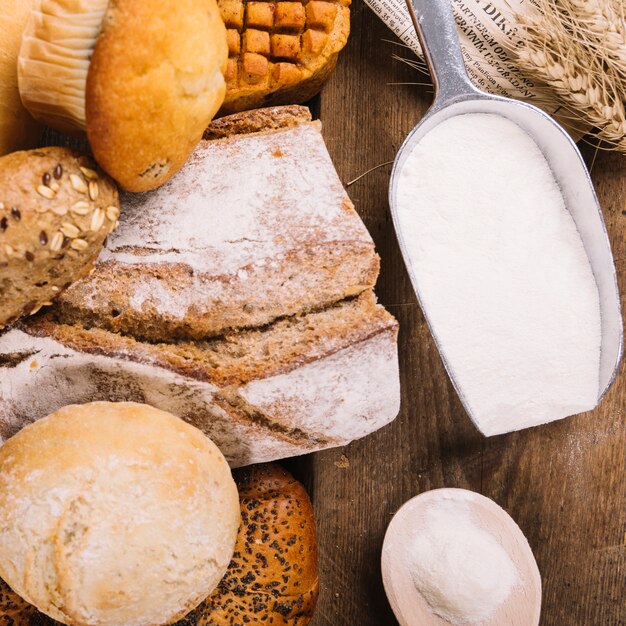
(143, 78)
(55, 213)
(115, 513)
(272, 579)
(238, 296)
(259, 211)
(281, 52)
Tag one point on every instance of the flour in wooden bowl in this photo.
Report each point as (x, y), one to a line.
(461, 570)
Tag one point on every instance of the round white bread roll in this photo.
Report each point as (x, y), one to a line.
(18, 130)
(115, 513)
(143, 78)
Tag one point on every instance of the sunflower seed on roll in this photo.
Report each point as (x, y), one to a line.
(51, 230)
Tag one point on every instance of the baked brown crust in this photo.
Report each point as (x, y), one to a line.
(56, 209)
(310, 268)
(18, 130)
(258, 120)
(281, 52)
(155, 82)
(272, 578)
(320, 276)
(238, 356)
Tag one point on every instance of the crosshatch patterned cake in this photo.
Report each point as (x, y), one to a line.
(281, 52)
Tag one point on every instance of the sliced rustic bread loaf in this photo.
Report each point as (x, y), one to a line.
(303, 383)
(243, 306)
(256, 226)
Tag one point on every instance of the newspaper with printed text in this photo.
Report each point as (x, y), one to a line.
(489, 37)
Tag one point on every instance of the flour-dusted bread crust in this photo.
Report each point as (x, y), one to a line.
(258, 211)
(56, 210)
(115, 513)
(304, 384)
(272, 579)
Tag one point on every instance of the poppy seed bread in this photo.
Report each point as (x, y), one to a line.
(56, 210)
(272, 579)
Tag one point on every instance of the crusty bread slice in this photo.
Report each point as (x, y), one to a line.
(303, 383)
(238, 297)
(255, 227)
(239, 356)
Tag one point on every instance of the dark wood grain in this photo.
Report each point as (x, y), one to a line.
(565, 483)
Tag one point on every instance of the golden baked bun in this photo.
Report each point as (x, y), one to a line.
(115, 514)
(18, 130)
(142, 77)
(272, 579)
(281, 52)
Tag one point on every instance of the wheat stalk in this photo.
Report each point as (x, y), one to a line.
(578, 48)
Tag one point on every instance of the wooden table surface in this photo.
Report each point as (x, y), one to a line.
(564, 483)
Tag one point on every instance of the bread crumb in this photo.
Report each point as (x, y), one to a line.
(343, 462)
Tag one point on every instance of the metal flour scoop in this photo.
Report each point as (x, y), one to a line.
(456, 95)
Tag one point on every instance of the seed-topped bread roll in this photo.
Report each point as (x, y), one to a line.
(281, 52)
(115, 514)
(142, 77)
(272, 579)
(56, 210)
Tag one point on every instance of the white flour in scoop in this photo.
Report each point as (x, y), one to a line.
(461, 570)
(501, 271)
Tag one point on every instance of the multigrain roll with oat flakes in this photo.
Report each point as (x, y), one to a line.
(56, 210)
(143, 77)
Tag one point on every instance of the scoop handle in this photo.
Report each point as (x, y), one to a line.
(436, 28)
